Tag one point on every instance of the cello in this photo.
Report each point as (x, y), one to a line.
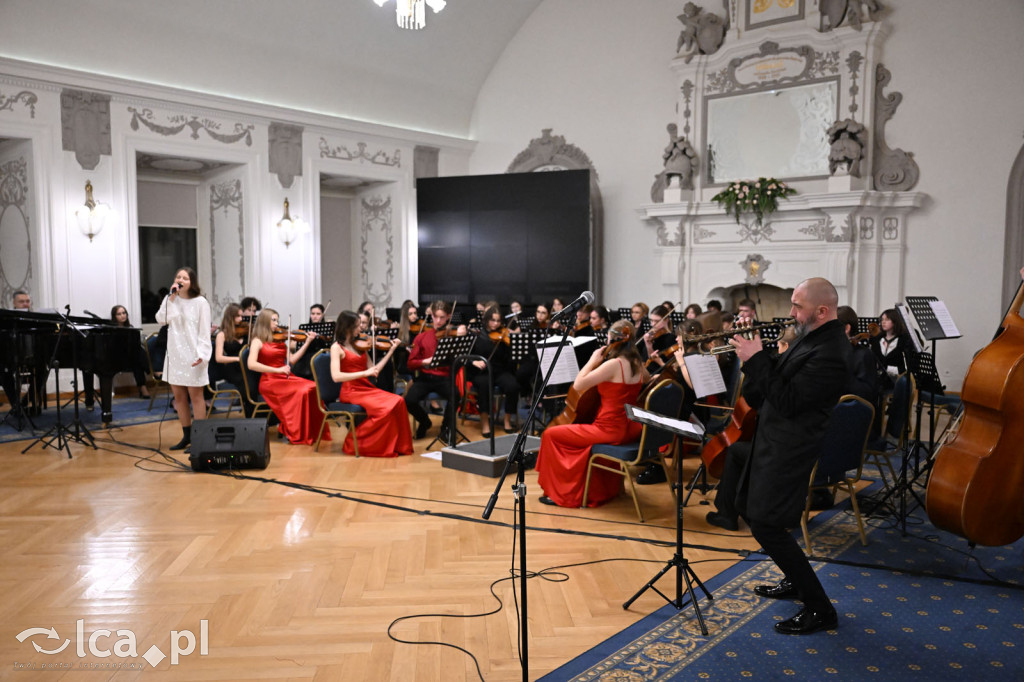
(582, 407)
(975, 483)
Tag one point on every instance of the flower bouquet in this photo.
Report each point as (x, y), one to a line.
(760, 197)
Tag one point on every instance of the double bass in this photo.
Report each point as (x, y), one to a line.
(975, 485)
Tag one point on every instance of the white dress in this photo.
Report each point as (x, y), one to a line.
(188, 339)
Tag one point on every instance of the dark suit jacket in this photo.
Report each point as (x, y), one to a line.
(796, 393)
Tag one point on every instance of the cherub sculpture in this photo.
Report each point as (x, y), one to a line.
(703, 33)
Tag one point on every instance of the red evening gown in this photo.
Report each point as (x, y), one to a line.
(385, 432)
(565, 450)
(293, 399)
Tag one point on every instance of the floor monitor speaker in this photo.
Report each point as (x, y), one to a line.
(229, 444)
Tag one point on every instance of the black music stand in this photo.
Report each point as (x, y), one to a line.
(76, 430)
(517, 456)
(325, 329)
(684, 572)
(447, 353)
(524, 345)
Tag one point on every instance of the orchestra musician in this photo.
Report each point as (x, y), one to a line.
(493, 342)
(617, 373)
(692, 311)
(385, 431)
(409, 326)
(119, 314)
(292, 398)
(431, 379)
(891, 346)
(583, 327)
(794, 395)
(658, 337)
(187, 315)
(227, 345)
(599, 318)
(250, 306)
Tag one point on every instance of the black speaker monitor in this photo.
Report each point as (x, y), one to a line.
(229, 444)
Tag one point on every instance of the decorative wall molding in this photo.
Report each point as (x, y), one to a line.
(14, 209)
(794, 64)
(343, 153)
(26, 97)
(894, 169)
(85, 126)
(178, 122)
(226, 197)
(285, 153)
(376, 231)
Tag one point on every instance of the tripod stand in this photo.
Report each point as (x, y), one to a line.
(679, 562)
(76, 430)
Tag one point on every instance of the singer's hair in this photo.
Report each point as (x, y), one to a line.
(262, 328)
(113, 315)
(193, 281)
(227, 321)
(622, 330)
(346, 327)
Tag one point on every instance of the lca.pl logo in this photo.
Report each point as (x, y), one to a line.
(182, 643)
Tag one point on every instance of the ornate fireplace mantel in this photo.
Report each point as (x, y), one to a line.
(856, 239)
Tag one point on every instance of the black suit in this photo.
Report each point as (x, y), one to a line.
(794, 394)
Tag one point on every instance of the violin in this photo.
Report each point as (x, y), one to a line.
(282, 334)
(873, 331)
(362, 343)
(416, 327)
(582, 407)
(665, 356)
(500, 336)
(242, 330)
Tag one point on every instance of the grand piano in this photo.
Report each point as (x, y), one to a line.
(27, 342)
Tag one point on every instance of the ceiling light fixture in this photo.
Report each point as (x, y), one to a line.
(412, 14)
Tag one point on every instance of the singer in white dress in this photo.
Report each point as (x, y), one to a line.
(187, 316)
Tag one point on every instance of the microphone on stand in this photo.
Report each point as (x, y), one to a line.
(586, 298)
(91, 314)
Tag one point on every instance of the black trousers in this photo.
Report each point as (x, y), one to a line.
(422, 386)
(784, 550)
(505, 382)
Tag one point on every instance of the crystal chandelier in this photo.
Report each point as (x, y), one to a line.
(412, 14)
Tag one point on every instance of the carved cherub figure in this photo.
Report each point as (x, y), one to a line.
(846, 146)
(703, 33)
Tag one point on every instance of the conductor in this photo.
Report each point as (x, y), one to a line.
(794, 394)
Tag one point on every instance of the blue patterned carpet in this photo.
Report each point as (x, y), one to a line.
(923, 606)
(126, 411)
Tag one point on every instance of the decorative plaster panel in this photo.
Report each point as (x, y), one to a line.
(285, 157)
(15, 231)
(343, 153)
(85, 126)
(377, 250)
(227, 244)
(176, 123)
(26, 97)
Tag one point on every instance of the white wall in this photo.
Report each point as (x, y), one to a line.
(597, 72)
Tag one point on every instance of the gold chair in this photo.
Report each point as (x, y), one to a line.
(897, 431)
(327, 390)
(665, 398)
(842, 451)
(219, 390)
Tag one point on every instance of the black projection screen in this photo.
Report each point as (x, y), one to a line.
(522, 236)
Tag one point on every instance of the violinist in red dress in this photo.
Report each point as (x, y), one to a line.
(292, 398)
(617, 373)
(385, 431)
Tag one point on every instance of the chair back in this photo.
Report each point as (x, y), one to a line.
(152, 356)
(846, 436)
(665, 398)
(903, 397)
(326, 388)
(250, 378)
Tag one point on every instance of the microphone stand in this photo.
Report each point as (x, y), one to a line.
(517, 456)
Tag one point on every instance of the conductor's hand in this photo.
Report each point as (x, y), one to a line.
(746, 348)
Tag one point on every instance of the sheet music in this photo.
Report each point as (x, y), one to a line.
(567, 367)
(911, 330)
(675, 425)
(705, 374)
(944, 318)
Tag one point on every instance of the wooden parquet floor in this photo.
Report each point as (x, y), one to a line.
(296, 584)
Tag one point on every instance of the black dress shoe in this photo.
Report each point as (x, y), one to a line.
(784, 590)
(722, 521)
(822, 499)
(485, 434)
(652, 473)
(808, 621)
(544, 499)
(422, 428)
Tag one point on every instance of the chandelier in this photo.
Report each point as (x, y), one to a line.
(412, 14)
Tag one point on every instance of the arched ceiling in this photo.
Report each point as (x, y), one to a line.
(345, 58)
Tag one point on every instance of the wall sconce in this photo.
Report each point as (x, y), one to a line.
(289, 228)
(91, 216)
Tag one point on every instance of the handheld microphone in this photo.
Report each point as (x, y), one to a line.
(586, 298)
(174, 288)
(92, 314)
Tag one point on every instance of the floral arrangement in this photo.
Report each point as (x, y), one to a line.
(760, 197)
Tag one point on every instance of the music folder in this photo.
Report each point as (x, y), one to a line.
(686, 429)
